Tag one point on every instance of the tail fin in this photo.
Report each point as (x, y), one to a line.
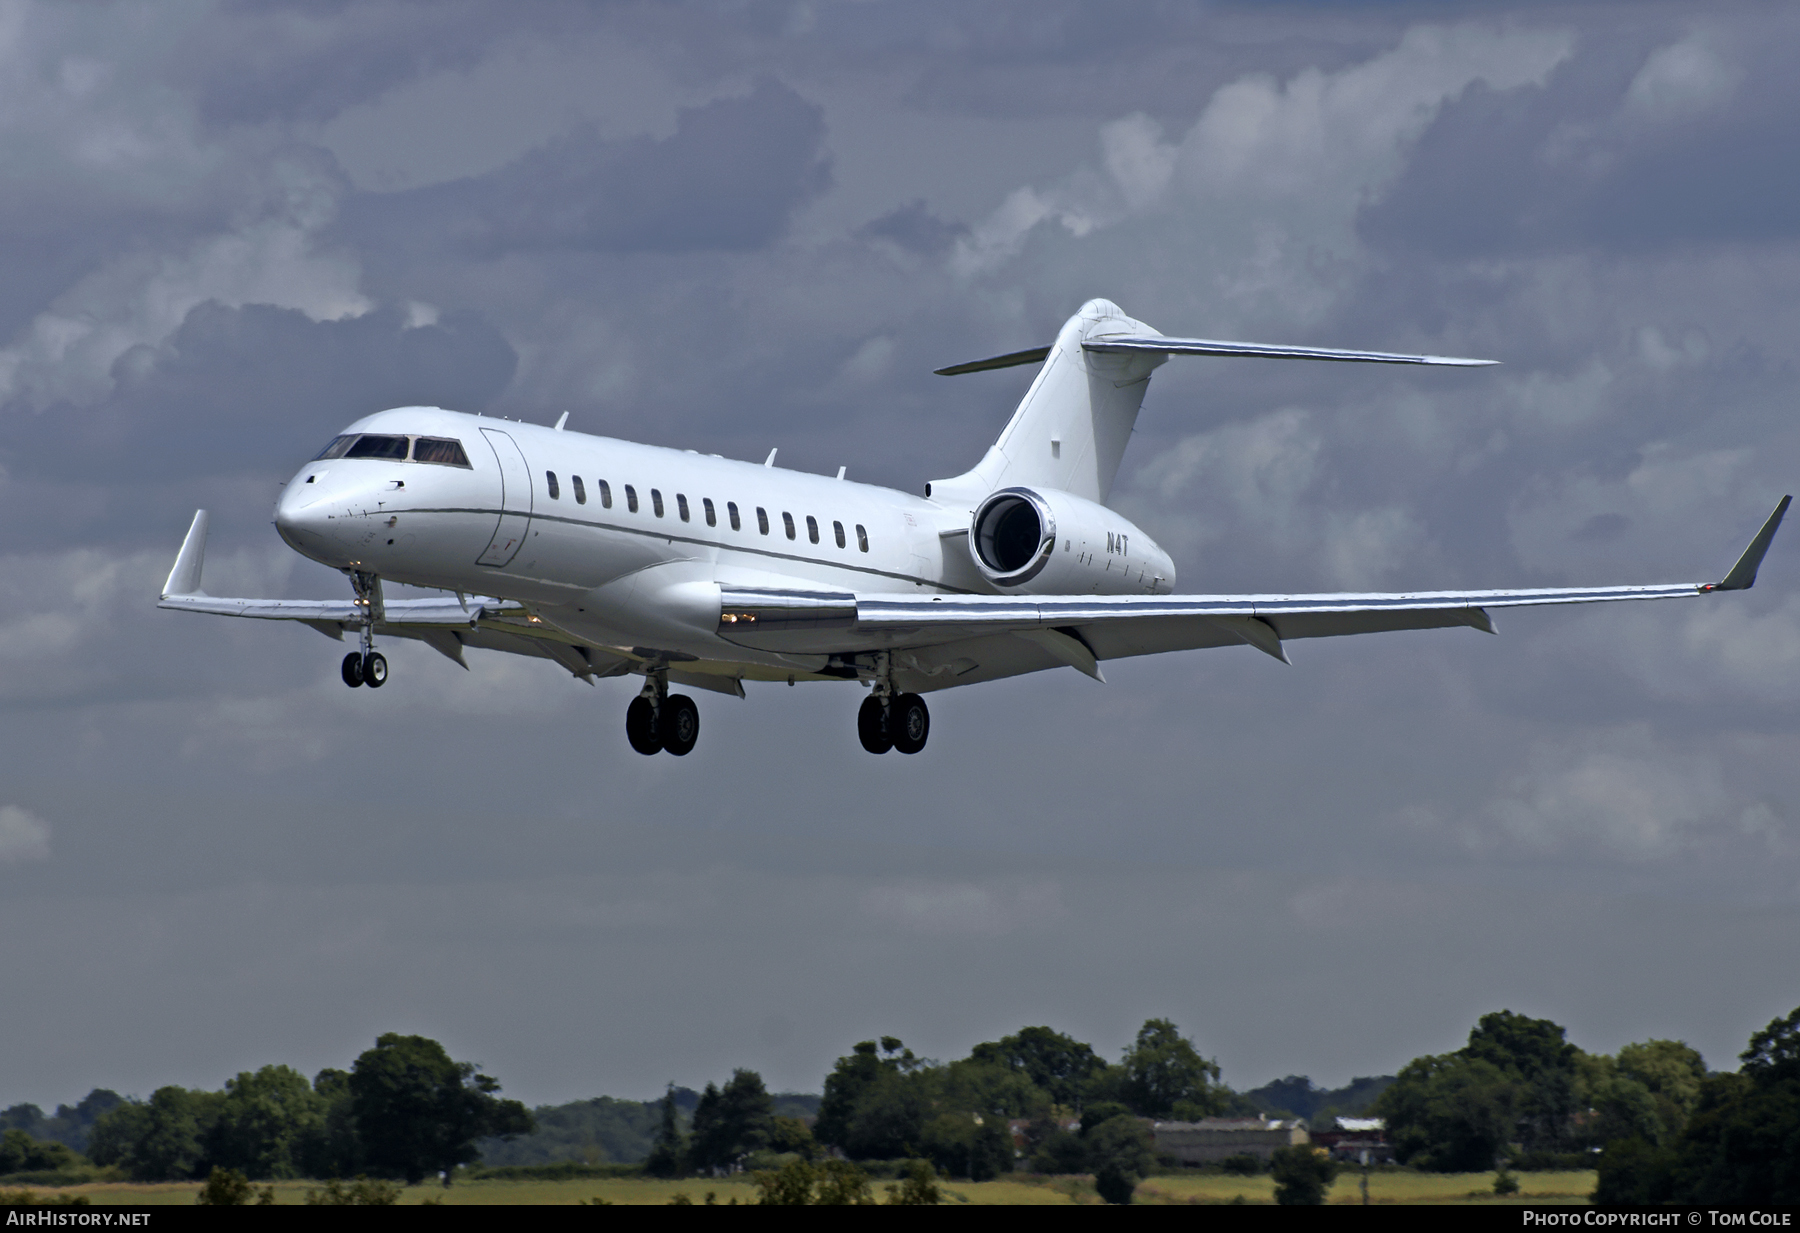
(1071, 429)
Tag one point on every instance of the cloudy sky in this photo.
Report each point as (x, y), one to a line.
(228, 229)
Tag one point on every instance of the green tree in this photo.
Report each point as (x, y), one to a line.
(20, 1153)
(731, 1122)
(1301, 1174)
(1059, 1066)
(918, 1187)
(968, 1145)
(1450, 1113)
(1672, 1072)
(1119, 1151)
(158, 1140)
(417, 1112)
(1164, 1070)
(790, 1134)
(804, 1183)
(1536, 1055)
(668, 1158)
(268, 1123)
(336, 1152)
(229, 1188)
(854, 1077)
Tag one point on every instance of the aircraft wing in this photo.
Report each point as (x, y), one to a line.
(958, 639)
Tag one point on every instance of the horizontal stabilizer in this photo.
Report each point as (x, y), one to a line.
(1208, 346)
(1743, 575)
(1036, 355)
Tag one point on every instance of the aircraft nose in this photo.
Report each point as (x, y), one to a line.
(300, 519)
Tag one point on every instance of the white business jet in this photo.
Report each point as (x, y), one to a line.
(611, 558)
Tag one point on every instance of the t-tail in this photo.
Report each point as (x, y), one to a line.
(1070, 430)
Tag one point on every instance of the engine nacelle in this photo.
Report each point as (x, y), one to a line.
(1039, 541)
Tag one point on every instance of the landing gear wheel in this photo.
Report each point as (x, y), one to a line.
(910, 723)
(353, 669)
(374, 670)
(680, 726)
(872, 726)
(640, 727)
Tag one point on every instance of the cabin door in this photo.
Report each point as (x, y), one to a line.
(515, 500)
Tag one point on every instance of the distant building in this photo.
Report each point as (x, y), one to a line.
(1214, 1138)
(1347, 1138)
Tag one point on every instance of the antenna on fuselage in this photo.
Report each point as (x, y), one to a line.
(770, 460)
(843, 469)
(561, 420)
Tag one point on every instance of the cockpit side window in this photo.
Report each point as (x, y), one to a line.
(378, 445)
(336, 448)
(445, 451)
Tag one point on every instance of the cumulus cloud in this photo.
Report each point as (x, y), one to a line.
(23, 836)
(1270, 161)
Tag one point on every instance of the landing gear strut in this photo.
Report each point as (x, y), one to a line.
(367, 666)
(657, 720)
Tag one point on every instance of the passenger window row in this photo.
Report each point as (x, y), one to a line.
(554, 488)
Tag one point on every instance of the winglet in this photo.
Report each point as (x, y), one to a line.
(1743, 575)
(184, 579)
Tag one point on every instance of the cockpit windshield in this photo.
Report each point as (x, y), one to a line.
(442, 451)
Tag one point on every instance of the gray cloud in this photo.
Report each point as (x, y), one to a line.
(729, 179)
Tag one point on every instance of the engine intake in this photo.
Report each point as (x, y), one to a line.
(1013, 534)
(1045, 542)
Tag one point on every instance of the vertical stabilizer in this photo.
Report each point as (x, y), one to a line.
(1071, 429)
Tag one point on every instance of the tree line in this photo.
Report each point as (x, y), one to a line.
(403, 1110)
(1657, 1125)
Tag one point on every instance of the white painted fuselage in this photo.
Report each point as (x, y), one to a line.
(626, 545)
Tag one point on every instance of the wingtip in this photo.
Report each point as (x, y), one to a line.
(1743, 575)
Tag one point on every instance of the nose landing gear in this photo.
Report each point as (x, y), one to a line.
(367, 666)
(657, 720)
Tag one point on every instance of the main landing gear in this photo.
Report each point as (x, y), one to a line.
(894, 721)
(367, 666)
(658, 720)
(370, 669)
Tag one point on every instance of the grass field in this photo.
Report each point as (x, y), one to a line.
(1384, 1187)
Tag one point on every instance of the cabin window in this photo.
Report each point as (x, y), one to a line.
(681, 506)
(731, 510)
(605, 494)
(762, 520)
(376, 445)
(862, 538)
(656, 501)
(580, 489)
(336, 448)
(812, 528)
(631, 498)
(837, 530)
(550, 484)
(712, 519)
(444, 451)
(787, 521)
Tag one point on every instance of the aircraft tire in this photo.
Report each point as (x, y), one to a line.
(640, 727)
(872, 726)
(680, 726)
(353, 669)
(910, 722)
(374, 670)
